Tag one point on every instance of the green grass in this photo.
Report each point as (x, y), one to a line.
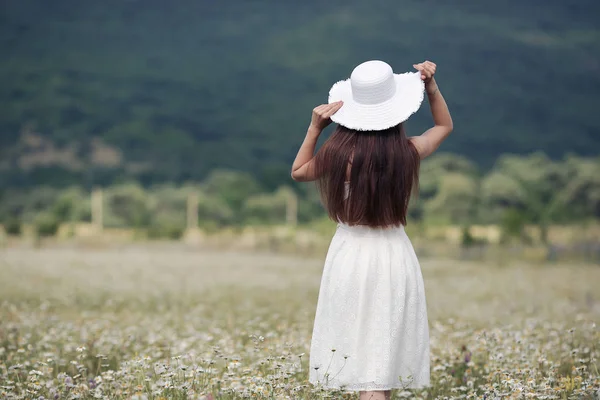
(166, 321)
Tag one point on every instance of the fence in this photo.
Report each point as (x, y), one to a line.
(98, 205)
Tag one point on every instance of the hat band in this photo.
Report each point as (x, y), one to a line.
(374, 93)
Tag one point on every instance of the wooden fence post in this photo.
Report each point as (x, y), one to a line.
(97, 206)
(192, 211)
(291, 208)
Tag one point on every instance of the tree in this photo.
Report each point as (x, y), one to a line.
(265, 208)
(213, 212)
(231, 187)
(530, 185)
(500, 192)
(46, 224)
(455, 199)
(580, 195)
(70, 205)
(160, 101)
(447, 189)
(435, 167)
(128, 205)
(168, 209)
(310, 206)
(39, 200)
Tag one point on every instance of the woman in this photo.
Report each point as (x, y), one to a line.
(371, 332)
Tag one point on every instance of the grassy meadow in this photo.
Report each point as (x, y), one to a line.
(166, 321)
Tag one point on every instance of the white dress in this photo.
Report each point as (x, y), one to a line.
(371, 330)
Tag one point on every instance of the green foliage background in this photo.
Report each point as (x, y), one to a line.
(188, 86)
(518, 191)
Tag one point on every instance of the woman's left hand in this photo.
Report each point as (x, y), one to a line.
(427, 69)
(321, 115)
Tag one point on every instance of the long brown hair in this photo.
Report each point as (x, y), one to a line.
(383, 172)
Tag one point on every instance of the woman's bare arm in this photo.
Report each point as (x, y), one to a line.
(431, 139)
(303, 168)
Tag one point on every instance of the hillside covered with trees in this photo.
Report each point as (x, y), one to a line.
(95, 92)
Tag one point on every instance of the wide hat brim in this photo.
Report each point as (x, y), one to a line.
(406, 101)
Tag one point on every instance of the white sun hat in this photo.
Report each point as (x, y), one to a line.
(375, 98)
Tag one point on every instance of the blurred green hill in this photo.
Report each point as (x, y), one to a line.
(101, 91)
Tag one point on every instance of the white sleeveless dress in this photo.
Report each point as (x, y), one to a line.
(371, 330)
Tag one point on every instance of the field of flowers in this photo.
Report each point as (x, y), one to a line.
(169, 322)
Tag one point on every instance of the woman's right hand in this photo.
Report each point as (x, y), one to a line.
(321, 115)
(427, 69)
(429, 141)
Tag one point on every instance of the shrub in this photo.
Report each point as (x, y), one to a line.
(513, 225)
(71, 205)
(167, 231)
(127, 205)
(13, 227)
(467, 239)
(46, 224)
